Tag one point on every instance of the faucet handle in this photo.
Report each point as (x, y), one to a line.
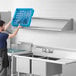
(51, 50)
(44, 50)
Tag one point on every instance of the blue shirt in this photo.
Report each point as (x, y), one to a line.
(3, 40)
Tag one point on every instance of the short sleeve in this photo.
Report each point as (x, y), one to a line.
(5, 35)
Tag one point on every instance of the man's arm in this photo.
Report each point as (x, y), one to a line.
(14, 34)
(7, 25)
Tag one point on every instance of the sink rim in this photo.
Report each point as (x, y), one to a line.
(41, 57)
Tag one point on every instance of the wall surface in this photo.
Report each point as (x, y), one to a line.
(50, 9)
(53, 9)
(5, 5)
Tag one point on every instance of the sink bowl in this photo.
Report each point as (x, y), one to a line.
(37, 56)
(29, 55)
(51, 58)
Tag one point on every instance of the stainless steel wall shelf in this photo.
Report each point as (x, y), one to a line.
(51, 24)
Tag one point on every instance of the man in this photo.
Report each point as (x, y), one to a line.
(4, 63)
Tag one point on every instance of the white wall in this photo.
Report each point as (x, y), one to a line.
(5, 5)
(50, 9)
(53, 9)
(49, 39)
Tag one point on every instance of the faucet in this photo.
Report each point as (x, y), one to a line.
(44, 50)
(47, 50)
(51, 50)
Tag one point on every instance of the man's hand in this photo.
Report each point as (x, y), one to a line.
(14, 34)
(19, 26)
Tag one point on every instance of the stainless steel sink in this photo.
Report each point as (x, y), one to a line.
(51, 58)
(37, 56)
(29, 55)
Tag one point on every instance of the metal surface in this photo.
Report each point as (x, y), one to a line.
(50, 19)
(51, 24)
(37, 56)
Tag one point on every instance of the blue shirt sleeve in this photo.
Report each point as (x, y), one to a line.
(5, 36)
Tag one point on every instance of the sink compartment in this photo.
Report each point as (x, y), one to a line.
(28, 55)
(37, 56)
(52, 58)
(31, 55)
